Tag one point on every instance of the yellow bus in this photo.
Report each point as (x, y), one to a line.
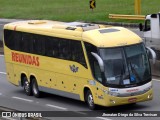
(100, 65)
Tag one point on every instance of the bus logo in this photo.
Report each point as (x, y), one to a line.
(73, 68)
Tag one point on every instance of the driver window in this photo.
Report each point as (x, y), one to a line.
(147, 25)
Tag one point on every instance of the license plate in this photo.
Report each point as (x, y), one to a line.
(132, 99)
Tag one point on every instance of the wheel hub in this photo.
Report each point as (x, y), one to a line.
(90, 100)
(26, 86)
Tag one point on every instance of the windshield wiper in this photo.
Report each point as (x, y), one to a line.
(134, 71)
(122, 75)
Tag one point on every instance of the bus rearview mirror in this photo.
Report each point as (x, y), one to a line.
(153, 54)
(100, 61)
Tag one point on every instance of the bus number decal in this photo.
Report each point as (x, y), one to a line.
(26, 59)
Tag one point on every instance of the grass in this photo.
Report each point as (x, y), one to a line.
(72, 10)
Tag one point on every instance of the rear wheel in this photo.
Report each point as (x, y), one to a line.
(35, 89)
(89, 100)
(27, 86)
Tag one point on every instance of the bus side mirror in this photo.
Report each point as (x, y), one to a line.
(100, 61)
(140, 27)
(153, 54)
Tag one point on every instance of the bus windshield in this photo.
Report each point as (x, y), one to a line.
(126, 66)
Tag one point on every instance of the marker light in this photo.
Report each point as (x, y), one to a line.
(112, 101)
(149, 96)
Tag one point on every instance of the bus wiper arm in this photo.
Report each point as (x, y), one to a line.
(122, 75)
(134, 71)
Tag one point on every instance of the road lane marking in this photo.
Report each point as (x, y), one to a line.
(156, 80)
(22, 99)
(80, 112)
(103, 118)
(1, 55)
(3, 73)
(54, 106)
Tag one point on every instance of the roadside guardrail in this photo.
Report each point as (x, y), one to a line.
(128, 17)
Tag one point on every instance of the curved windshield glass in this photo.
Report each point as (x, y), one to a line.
(137, 63)
(125, 65)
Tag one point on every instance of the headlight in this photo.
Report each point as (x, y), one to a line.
(148, 88)
(111, 93)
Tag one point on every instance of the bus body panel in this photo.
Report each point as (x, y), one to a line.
(10, 73)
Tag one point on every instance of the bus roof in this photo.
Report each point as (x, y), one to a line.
(98, 35)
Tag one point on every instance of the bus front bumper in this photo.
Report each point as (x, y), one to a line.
(115, 101)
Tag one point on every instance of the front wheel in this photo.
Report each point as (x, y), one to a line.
(89, 100)
(35, 89)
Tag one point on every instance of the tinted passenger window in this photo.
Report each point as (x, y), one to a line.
(77, 52)
(38, 44)
(64, 47)
(12, 39)
(52, 49)
(17, 40)
(8, 39)
(24, 42)
(45, 45)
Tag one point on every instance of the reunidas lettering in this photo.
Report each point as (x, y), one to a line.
(26, 59)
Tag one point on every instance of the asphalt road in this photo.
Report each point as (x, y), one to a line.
(14, 97)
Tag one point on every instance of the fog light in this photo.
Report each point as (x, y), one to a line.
(149, 96)
(112, 101)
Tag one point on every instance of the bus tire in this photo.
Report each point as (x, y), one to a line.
(89, 100)
(27, 86)
(35, 89)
